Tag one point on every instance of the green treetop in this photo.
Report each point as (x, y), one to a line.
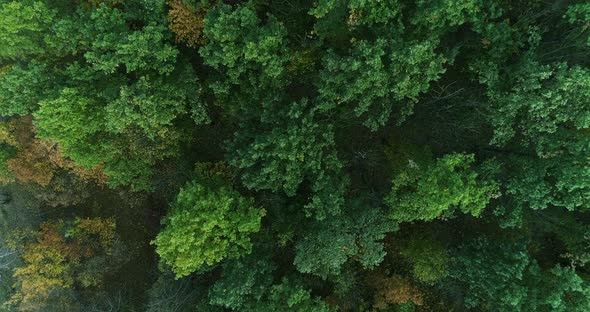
(205, 226)
(426, 191)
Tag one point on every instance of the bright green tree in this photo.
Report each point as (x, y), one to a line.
(426, 191)
(205, 226)
(23, 28)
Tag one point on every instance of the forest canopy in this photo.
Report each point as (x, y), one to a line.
(294, 155)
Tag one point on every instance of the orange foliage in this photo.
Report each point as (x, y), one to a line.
(393, 290)
(54, 257)
(31, 165)
(55, 156)
(37, 160)
(186, 22)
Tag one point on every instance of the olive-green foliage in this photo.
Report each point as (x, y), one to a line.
(465, 121)
(206, 225)
(539, 99)
(164, 98)
(426, 191)
(544, 109)
(394, 53)
(539, 116)
(125, 160)
(248, 284)
(430, 260)
(579, 14)
(84, 121)
(22, 87)
(281, 142)
(562, 289)
(6, 153)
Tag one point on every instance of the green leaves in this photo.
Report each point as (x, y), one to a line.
(543, 110)
(153, 103)
(110, 44)
(356, 234)
(502, 277)
(294, 147)
(243, 282)
(110, 87)
(426, 191)
(73, 120)
(579, 14)
(23, 28)
(365, 128)
(242, 49)
(378, 77)
(491, 273)
(543, 100)
(147, 50)
(288, 296)
(22, 87)
(430, 260)
(206, 226)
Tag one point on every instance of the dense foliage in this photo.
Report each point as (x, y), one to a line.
(273, 155)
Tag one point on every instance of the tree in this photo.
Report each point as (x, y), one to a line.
(500, 276)
(187, 22)
(349, 155)
(116, 62)
(243, 281)
(41, 167)
(241, 46)
(430, 260)
(205, 226)
(356, 234)
(399, 73)
(394, 52)
(579, 14)
(295, 148)
(23, 86)
(152, 103)
(540, 114)
(62, 256)
(394, 290)
(426, 191)
(289, 296)
(23, 28)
